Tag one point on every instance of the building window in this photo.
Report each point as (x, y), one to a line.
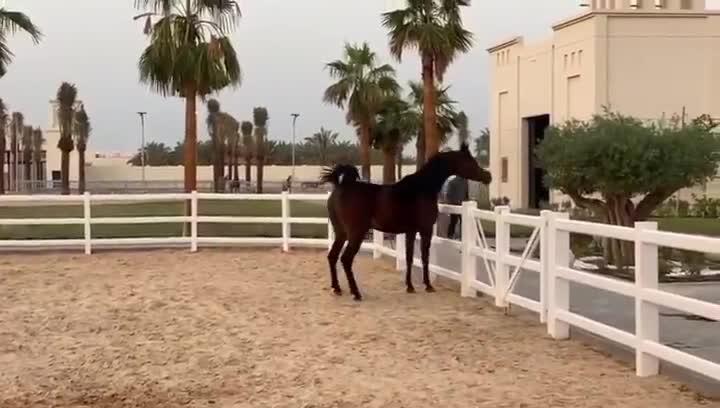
(579, 59)
(504, 170)
(686, 4)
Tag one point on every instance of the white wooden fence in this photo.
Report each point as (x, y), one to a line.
(551, 234)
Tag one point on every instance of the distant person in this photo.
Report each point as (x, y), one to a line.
(457, 192)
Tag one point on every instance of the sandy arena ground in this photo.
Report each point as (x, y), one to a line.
(250, 328)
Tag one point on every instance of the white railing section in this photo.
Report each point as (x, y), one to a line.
(550, 237)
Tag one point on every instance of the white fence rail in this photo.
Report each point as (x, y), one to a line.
(550, 236)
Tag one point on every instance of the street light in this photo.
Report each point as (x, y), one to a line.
(142, 144)
(294, 116)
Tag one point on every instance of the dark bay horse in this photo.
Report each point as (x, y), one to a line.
(406, 207)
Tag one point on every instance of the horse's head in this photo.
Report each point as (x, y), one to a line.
(463, 164)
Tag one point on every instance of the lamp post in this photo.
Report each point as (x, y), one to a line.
(142, 144)
(294, 116)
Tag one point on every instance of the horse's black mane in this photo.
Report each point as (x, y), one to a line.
(427, 181)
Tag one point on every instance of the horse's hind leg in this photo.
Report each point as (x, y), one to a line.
(333, 256)
(409, 260)
(347, 260)
(425, 242)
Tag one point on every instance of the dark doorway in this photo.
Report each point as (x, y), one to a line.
(538, 193)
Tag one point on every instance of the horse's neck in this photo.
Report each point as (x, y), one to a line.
(428, 181)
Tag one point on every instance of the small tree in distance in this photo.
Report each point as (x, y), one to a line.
(622, 170)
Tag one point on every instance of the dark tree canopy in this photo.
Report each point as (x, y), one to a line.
(618, 158)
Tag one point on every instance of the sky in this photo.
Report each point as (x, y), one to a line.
(282, 45)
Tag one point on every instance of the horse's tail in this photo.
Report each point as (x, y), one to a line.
(340, 175)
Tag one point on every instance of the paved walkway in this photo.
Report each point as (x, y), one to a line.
(242, 328)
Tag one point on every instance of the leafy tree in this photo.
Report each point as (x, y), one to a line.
(361, 87)
(190, 55)
(66, 96)
(622, 169)
(82, 134)
(248, 149)
(156, 154)
(322, 141)
(435, 29)
(10, 23)
(4, 122)
(260, 118)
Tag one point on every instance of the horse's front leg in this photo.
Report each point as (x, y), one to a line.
(409, 257)
(425, 242)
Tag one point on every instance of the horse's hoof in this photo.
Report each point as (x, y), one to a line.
(411, 290)
(429, 289)
(337, 292)
(357, 298)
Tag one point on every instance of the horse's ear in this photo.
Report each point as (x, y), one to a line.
(464, 147)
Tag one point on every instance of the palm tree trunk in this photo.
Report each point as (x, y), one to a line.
(27, 163)
(236, 164)
(13, 162)
(248, 168)
(365, 150)
(260, 170)
(420, 151)
(190, 150)
(2, 165)
(399, 164)
(389, 156)
(65, 172)
(81, 171)
(432, 138)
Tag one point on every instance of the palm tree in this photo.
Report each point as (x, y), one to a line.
(218, 144)
(16, 128)
(361, 86)
(82, 134)
(38, 141)
(10, 23)
(247, 142)
(189, 55)
(322, 141)
(463, 128)
(435, 29)
(228, 128)
(4, 119)
(66, 96)
(482, 148)
(396, 123)
(260, 118)
(27, 146)
(445, 116)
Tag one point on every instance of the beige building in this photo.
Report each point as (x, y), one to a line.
(646, 58)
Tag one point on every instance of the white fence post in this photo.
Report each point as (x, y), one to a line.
(469, 273)
(399, 252)
(87, 215)
(285, 205)
(558, 289)
(378, 238)
(502, 248)
(544, 260)
(647, 315)
(193, 221)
